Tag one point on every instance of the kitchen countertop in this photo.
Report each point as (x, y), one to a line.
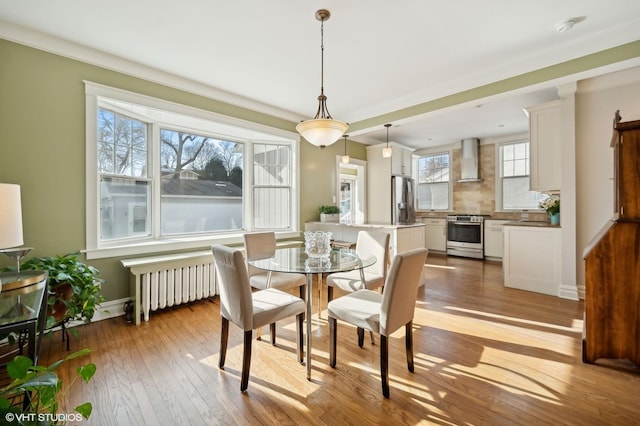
(532, 223)
(371, 225)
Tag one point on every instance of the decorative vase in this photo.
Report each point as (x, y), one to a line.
(554, 218)
(317, 244)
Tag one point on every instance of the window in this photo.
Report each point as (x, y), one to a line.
(514, 177)
(166, 177)
(433, 186)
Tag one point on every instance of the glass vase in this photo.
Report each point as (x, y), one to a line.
(317, 244)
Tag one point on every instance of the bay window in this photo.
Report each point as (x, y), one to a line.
(162, 176)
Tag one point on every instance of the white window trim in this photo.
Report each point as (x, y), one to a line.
(498, 180)
(450, 182)
(95, 250)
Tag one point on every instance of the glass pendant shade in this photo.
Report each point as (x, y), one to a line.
(322, 131)
(345, 159)
(387, 151)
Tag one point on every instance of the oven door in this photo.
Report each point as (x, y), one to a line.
(465, 239)
(466, 233)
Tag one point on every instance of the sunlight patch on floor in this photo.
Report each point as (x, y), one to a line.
(429, 265)
(573, 328)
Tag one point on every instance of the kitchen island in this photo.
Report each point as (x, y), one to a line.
(403, 237)
(532, 256)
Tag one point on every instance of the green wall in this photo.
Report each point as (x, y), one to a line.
(42, 148)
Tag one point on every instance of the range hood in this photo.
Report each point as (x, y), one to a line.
(470, 160)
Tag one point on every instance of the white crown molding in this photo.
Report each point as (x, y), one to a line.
(62, 47)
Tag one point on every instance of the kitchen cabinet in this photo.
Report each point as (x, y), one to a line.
(379, 172)
(401, 237)
(401, 160)
(545, 145)
(435, 234)
(493, 238)
(532, 258)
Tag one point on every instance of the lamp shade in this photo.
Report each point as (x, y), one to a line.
(322, 131)
(10, 216)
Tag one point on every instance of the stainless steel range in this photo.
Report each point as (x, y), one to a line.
(465, 236)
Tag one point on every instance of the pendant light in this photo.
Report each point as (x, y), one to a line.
(345, 157)
(387, 151)
(322, 130)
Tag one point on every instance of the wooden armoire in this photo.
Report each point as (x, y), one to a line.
(612, 260)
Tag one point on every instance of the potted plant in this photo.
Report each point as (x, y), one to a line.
(74, 287)
(45, 391)
(329, 213)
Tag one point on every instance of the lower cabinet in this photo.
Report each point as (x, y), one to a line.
(435, 234)
(532, 258)
(493, 238)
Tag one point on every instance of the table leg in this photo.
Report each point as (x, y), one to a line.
(308, 342)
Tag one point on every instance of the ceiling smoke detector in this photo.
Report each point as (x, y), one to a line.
(565, 25)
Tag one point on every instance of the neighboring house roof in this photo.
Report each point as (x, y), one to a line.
(188, 187)
(199, 187)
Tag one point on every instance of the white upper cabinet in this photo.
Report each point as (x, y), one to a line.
(545, 146)
(401, 160)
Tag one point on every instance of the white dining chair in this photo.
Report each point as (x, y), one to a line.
(262, 245)
(369, 243)
(249, 309)
(382, 313)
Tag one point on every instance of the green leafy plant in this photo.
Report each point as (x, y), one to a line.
(329, 209)
(42, 390)
(81, 294)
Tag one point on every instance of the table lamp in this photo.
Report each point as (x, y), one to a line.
(11, 238)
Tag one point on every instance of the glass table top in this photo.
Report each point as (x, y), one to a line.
(294, 259)
(28, 296)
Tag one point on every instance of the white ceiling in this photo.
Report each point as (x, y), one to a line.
(380, 56)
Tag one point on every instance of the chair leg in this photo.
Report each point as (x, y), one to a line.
(224, 337)
(360, 337)
(332, 341)
(272, 329)
(384, 365)
(246, 360)
(329, 294)
(373, 340)
(409, 344)
(300, 336)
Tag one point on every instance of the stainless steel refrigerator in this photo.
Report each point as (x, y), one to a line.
(403, 210)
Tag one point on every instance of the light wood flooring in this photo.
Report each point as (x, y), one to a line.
(484, 355)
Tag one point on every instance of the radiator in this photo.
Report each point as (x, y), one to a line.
(163, 281)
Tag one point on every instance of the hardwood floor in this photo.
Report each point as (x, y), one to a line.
(484, 355)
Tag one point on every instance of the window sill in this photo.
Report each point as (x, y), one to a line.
(172, 245)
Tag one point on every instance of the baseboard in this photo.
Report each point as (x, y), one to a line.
(568, 292)
(106, 310)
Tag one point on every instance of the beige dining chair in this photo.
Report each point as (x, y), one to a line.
(382, 313)
(262, 245)
(369, 243)
(250, 310)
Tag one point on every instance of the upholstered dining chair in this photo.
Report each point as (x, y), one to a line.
(369, 243)
(250, 309)
(262, 245)
(382, 313)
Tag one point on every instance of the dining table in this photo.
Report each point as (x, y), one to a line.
(296, 260)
